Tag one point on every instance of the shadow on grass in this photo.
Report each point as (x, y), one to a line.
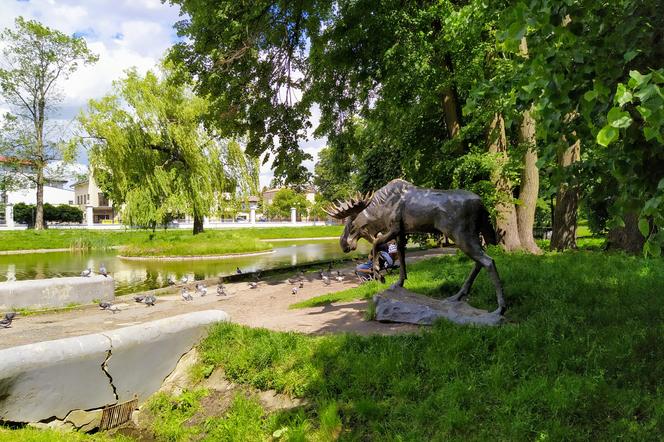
(582, 360)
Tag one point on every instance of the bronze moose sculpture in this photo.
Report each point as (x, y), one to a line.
(400, 208)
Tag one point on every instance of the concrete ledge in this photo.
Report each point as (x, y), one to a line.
(55, 292)
(39, 382)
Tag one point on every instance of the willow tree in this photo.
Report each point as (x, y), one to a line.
(151, 153)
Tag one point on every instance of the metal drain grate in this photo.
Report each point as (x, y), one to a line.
(115, 415)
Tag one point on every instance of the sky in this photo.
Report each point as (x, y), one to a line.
(124, 33)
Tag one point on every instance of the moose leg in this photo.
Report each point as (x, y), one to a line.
(473, 249)
(465, 288)
(401, 249)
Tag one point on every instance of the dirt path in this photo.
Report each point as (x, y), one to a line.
(265, 306)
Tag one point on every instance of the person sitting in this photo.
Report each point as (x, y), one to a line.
(387, 257)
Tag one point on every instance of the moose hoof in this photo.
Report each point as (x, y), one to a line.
(382, 279)
(499, 311)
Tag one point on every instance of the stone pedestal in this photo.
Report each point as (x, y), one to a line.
(9, 215)
(293, 215)
(400, 305)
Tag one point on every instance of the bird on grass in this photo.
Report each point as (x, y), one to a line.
(294, 291)
(253, 285)
(87, 272)
(238, 271)
(221, 290)
(326, 280)
(201, 289)
(171, 280)
(6, 322)
(301, 284)
(102, 270)
(149, 300)
(186, 296)
(139, 298)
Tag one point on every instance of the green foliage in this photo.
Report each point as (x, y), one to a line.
(579, 358)
(28, 434)
(63, 213)
(34, 59)
(170, 414)
(333, 175)
(152, 153)
(637, 161)
(282, 202)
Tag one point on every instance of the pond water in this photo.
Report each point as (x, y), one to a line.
(134, 276)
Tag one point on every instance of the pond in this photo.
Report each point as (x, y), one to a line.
(135, 276)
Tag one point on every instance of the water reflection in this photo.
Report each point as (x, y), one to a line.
(132, 276)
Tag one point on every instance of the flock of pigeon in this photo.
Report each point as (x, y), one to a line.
(200, 289)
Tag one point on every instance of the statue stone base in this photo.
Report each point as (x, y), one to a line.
(400, 305)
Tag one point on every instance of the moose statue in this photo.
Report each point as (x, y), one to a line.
(400, 208)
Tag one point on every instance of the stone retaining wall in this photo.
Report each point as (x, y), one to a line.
(68, 381)
(55, 292)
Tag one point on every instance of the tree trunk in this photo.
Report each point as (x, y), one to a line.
(627, 238)
(39, 213)
(198, 224)
(450, 111)
(567, 201)
(506, 220)
(525, 212)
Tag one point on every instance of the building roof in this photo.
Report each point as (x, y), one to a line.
(4, 159)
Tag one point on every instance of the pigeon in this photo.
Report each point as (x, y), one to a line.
(292, 281)
(7, 321)
(253, 285)
(339, 278)
(294, 291)
(184, 279)
(102, 270)
(221, 290)
(140, 298)
(171, 280)
(320, 274)
(186, 296)
(301, 284)
(87, 272)
(339, 273)
(326, 280)
(149, 300)
(201, 289)
(108, 306)
(238, 271)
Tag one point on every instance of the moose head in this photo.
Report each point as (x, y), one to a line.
(355, 226)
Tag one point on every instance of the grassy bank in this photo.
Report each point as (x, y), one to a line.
(581, 359)
(239, 240)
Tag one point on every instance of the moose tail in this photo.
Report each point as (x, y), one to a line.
(485, 227)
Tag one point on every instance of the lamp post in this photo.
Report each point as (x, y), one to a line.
(9, 215)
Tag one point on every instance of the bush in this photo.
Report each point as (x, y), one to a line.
(63, 213)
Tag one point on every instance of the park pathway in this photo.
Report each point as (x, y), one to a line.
(265, 306)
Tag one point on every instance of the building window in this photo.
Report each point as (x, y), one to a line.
(103, 200)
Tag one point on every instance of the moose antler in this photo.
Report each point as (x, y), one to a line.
(349, 207)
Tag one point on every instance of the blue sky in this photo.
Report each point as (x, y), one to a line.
(124, 33)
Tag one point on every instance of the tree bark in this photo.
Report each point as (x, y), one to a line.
(627, 238)
(39, 213)
(567, 202)
(529, 189)
(198, 224)
(450, 111)
(506, 219)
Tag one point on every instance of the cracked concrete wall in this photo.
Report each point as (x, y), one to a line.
(55, 292)
(50, 379)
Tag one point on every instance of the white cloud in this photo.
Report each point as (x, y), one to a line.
(124, 33)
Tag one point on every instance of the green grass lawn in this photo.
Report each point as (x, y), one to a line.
(161, 242)
(580, 359)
